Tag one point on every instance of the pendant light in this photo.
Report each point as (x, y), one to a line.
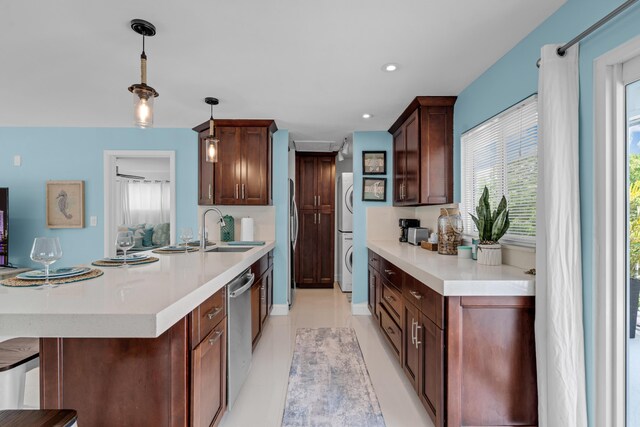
(210, 140)
(143, 94)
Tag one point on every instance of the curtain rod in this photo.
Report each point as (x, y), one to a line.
(618, 10)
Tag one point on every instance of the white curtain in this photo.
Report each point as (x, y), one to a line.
(145, 202)
(559, 329)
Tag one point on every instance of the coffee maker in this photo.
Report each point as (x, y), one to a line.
(405, 224)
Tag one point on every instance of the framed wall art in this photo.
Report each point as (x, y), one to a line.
(65, 204)
(374, 162)
(374, 189)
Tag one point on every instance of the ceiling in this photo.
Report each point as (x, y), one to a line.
(313, 66)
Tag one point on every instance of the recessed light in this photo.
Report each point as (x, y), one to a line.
(390, 67)
(366, 116)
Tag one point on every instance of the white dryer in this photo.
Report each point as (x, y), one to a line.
(345, 205)
(346, 262)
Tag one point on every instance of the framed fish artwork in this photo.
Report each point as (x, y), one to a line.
(65, 204)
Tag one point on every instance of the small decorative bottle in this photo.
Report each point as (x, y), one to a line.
(449, 231)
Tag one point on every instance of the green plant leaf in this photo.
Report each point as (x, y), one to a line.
(498, 226)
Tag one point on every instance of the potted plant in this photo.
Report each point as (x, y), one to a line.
(491, 227)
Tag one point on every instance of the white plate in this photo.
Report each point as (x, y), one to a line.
(54, 273)
(131, 257)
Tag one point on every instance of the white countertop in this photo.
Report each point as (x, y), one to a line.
(140, 301)
(450, 276)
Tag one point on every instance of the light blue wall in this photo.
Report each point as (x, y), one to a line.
(515, 77)
(366, 141)
(77, 154)
(281, 203)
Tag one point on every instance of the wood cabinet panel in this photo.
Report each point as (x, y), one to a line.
(326, 173)
(209, 374)
(410, 349)
(374, 259)
(256, 293)
(392, 300)
(306, 253)
(325, 255)
(399, 166)
(254, 166)
(306, 182)
(412, 158)
(228, 167)
(491, 348)
(205, 173)
(437, 153)
(207, 315)
(264, 305)
(119, 381)
(371, 297)
(431, 383)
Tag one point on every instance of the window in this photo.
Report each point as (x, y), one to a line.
(502, 153)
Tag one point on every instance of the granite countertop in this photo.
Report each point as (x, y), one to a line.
(140, 301)
(450, 276)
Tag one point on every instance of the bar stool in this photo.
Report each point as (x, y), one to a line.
(38, 418)
(17, 357)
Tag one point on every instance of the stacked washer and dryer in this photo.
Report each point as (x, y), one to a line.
(345, 230)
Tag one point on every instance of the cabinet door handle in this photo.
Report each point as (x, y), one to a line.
(318, 200)
(210, 195)
(413, 331)
(319, 217)
(243, 192)
(389, 272)
(416, 295)
(418, 342)
(214, 313)
(216, 337)
(389, 298)
(390, 330)
(236, 191)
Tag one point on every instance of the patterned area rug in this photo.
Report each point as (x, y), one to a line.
(329, 385)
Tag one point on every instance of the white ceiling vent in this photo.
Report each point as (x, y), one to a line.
(317, 146)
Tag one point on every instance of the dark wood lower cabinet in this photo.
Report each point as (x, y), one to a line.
(471, 360)
(208, 392)
(261, 297)
(177, 379)
(256, 294)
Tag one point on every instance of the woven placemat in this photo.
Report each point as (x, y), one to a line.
(174, 251)
(14, 282)
(109, 263)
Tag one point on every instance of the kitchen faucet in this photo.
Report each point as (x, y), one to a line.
(203, 237)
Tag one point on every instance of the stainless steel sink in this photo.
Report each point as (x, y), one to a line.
(228, 249)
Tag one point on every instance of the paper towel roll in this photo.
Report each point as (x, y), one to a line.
(246, 229)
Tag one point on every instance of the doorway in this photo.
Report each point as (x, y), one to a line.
(617, 241)
(139, 195)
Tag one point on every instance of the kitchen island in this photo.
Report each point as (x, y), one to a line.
(463, 333)
(144, 345)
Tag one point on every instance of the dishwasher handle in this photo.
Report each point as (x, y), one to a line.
(251, 278)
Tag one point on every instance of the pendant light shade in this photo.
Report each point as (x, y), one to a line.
(143, 94)
(210, 140)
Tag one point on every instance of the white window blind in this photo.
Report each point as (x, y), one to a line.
(502, 153)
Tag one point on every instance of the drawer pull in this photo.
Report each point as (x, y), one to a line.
(416, 295)
(214, 313)
(418, 342)
(389, 298)
(414, 331)
(217, 336)
(390, 330)
(389, 272)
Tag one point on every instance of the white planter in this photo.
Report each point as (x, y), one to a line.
(490, 254)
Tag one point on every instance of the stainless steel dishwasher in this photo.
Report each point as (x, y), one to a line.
(239, 327)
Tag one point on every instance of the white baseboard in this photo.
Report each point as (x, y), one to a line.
(361, 309)
(280, 310)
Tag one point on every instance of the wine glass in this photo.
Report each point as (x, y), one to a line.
(124, 241)
(46, 251)
(186, 234)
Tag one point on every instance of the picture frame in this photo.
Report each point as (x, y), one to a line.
(65, 204)
(374, 189)
(374, 162)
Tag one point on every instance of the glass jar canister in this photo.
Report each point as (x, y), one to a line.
(449, 231)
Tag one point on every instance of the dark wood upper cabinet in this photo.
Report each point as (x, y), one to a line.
(423, 152)
(242, 175)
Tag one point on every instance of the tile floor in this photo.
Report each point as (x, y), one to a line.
(261, 400)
